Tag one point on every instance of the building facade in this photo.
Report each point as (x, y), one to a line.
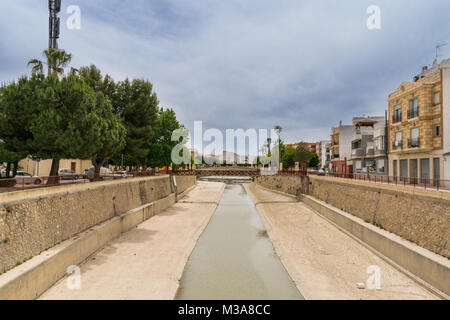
(324, 152)
(418, 127)
(42, 168)
(341, 149)
(364, 158)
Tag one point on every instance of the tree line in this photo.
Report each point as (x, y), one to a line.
(291, 155)
(82, 115)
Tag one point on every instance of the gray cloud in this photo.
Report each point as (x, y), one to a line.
(304, 65)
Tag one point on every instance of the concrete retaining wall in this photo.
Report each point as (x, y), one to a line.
(427, 266)
(418, 216)
(31, 279)
(361, 209)
(35, 220)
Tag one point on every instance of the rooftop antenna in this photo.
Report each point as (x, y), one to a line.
(438, 47)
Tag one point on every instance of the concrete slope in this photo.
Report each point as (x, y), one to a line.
(147, 262)
(324, 262)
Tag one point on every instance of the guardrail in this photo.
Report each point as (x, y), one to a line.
(426, 183)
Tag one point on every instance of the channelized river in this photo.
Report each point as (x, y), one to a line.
(234, 258)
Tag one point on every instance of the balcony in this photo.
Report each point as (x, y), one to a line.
(379, 151)
(360, 152)
(370, 152)
(413, 113)
(397, 145)
(414, 143)
(397, 118)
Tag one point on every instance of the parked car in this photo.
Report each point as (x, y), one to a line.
(67, 174)
(122, 174)
(104, 172)
(25, 177)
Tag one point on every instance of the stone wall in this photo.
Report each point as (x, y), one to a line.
(36, 220)
(418, 216)
(294, 185)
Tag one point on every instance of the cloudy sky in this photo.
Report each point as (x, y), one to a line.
(301, 64)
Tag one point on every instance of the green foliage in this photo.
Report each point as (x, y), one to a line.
(303, 153)
(75, 122)
(288, 157)
(20, 104)
(161, 144)
(315, 161)
(137, 106)
(83, 115)
(55, 59)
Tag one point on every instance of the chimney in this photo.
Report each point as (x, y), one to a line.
(340, 123)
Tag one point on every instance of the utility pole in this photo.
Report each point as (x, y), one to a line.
(54, 7)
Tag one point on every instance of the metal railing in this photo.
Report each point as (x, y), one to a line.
(397, 145)
(426, 183)
(396, 118)
(20, 183)
(413, 113)
(414, 143)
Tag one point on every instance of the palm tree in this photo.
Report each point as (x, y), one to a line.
(56, 60)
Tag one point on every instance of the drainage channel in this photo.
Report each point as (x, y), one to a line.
(234, 258)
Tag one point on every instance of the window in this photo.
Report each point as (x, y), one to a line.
(437, 97)
(397, 114)
(414, 142)
(413, 111)
(398, 137)
(437, 130)
(356, 144)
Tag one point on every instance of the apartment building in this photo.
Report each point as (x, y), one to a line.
(323, 151)
(419, 126)
(380, 142)
(364, 144)
(341, 149)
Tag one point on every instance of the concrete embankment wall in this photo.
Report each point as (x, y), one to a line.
(422, 217)
(35, 220)
(383, 217)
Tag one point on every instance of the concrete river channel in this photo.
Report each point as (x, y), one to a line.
(234, 258)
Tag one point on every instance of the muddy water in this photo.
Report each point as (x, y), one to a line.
(234, 258)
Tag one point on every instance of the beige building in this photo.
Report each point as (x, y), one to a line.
(416, 135)
(42, 168)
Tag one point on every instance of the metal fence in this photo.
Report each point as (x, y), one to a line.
(425, 183)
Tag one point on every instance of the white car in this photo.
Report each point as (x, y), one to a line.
(25, 177)
(68, 174)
